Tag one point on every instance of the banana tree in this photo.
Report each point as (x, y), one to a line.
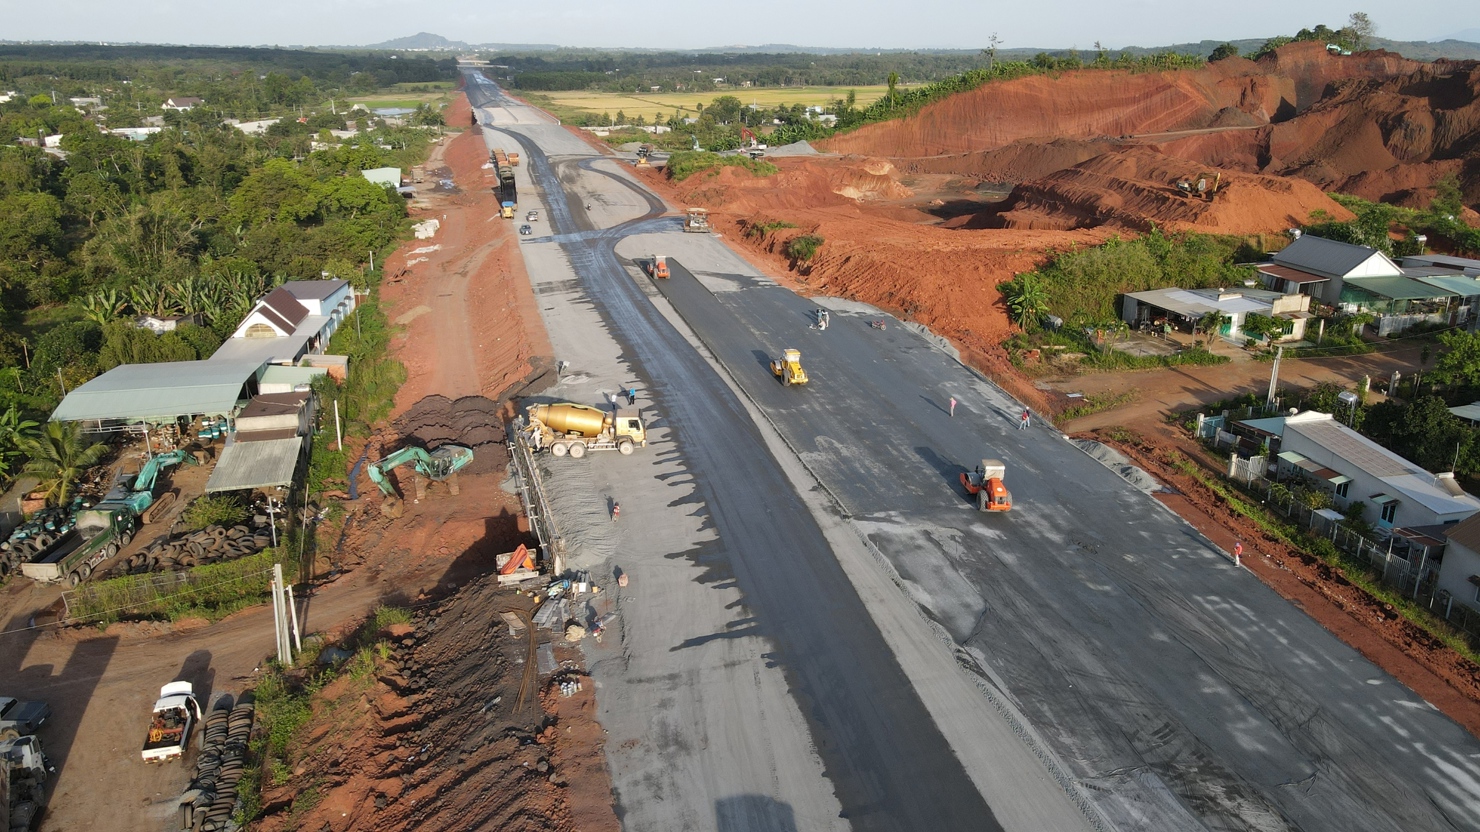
(104, 305)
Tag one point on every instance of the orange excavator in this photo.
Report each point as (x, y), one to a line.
(985, 483)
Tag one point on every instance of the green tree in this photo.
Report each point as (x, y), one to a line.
(1459, 361)
(1226, 50)
(58, 457)
(1210, 324)
(725, 109)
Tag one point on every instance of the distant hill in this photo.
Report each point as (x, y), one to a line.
(1461, 46)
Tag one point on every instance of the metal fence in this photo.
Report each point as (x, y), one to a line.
(1407, 566)
(531, 488)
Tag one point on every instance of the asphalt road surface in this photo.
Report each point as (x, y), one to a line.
(888, 763)
(1179, 691)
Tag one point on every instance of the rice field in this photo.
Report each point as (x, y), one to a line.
(649, 105)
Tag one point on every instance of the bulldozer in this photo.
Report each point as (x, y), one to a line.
(1204, 186)
(788, 368)
(985, 484)
(440, 465)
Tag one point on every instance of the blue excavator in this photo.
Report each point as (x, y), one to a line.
(136, 491)
(440, 465)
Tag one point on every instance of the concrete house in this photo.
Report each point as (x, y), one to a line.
(1324, 266)
(296, 319)
(181, 103)
(1398, 493)
(1459, 574)
(1183, 308)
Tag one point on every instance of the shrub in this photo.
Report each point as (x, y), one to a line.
(217, 510)
(686, 163)
(804, 247)
(757, 230)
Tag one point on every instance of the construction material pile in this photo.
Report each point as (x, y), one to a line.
(209, 545)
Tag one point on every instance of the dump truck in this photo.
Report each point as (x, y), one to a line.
(18, 717)
(440, 465)
(506, 210)
(658, 266)
(788, 368)
(100, 533)
(696, 221)
(23, 775)
(514, 159)
(985, 484)
(175, 714)
(567, 428)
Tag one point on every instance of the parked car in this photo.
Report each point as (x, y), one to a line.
(526, 230)
(532, 216)
(20, 717)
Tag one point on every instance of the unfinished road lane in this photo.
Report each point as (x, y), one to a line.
(886, 760)
(1181, 692)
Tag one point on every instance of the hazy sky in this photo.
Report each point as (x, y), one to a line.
(700, 23)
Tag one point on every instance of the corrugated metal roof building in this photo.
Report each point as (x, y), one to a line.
(161, 392)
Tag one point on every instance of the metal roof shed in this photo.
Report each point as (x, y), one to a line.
(160, 392)
(264, 464)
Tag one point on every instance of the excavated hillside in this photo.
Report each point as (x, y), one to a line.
(1137, 188)
(1373, 124)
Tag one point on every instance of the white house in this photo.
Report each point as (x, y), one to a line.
(181, 103)
(1336, 262)
(1183, 308)
(1398, 493)
(1459, 574)
(296, 319)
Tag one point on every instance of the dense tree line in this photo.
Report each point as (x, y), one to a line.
(200, 219)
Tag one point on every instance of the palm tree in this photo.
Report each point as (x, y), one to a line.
(13, 431)
(59, 456)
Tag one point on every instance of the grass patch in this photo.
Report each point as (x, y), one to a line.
(1354, 571)
(757, 230)
(686, 163)
(649, 105)
(1097, 403)
(803, 248)
(212, 591)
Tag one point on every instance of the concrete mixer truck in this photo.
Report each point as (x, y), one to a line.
(574, 429)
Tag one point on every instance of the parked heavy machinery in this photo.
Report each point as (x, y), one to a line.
(136, 491)
(440, 465)
(985, 483)
(696, 221)
(23, 774)
(755, 148)
(1204, 186)
(658, 266)
(788, 368)
(567, 428)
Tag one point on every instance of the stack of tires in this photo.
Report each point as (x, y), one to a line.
(210, 545)
(207, 805)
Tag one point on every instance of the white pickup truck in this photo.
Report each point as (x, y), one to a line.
(175, 714)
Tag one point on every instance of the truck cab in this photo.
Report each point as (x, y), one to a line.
(18, 717)
(507, 210)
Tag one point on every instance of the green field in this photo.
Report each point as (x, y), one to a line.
(649, 105)
(410, 96)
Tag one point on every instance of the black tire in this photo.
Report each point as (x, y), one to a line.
(74, 579)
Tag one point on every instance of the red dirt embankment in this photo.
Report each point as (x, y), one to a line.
(1136, 189)
(1373, 124)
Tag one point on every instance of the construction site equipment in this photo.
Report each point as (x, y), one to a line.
(99, 534)
(788, 368)
(985, 483)
(1204, 186)
(643, 152)
(658, 266)
(175, 713)
(136, 491)
(513, 159)
(23, 775)
(18, 718)
(755, 148)
(439, 465)
(507, 210)
(520, 566)
(697, 221)
(574, 429)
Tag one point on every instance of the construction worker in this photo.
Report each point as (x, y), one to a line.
(616, 510)
(1026, 416)
(631, 395)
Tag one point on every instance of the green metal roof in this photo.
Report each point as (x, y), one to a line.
(279, 374)
(159, 392)
(1397, 288)
(1458, 284)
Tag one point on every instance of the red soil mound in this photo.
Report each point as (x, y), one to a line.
(1136, 188)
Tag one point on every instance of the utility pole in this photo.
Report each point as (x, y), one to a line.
(1274, 376)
